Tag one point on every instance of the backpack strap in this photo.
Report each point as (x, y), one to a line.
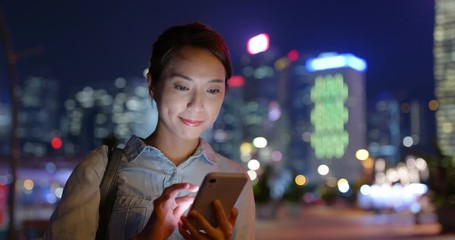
(108, 189)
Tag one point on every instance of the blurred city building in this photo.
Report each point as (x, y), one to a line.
(107, 115)
(264, 113)
(226, 134)
(38, 115)
(299, 108)
(337, 116)
(38, 132)
(55, 135)
(384, 132)
(267, 129)
(397, 127)
(444, 72)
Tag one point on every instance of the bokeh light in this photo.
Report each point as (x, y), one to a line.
(254, 164)
(260, 142)
(258, 43)
(433, 105)
(300, 180)
(29, 184)
(323, 170)
(362, 154)
(343, 185)
(252, 174)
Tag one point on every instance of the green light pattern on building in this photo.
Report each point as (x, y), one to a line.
(329, 116)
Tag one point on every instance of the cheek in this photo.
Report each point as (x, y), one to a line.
(172, 100)
(166, 106)
(215, 107)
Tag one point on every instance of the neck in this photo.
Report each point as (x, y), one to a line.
(175, 149)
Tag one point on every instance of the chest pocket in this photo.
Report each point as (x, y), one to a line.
(129, 216)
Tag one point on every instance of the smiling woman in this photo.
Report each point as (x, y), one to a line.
(158, 175)
(189, 94)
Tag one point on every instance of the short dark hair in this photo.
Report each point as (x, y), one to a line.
(190, 35)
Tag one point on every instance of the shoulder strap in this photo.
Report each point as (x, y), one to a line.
(108, 189)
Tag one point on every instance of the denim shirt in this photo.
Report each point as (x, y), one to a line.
(144, 173)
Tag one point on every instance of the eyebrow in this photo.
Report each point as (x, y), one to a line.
(190, 79)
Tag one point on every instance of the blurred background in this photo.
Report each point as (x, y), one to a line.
(343, 112)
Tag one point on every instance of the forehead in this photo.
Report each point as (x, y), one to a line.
(189, 53)
(197, 62)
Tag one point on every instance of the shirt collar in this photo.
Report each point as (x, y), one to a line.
(136, 146)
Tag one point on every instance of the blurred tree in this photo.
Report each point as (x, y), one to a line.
(442, 187)
(261, 189)
(328, 194)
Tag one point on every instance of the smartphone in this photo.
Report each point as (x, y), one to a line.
(223, 186)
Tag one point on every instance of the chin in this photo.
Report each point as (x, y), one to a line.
(191, 136)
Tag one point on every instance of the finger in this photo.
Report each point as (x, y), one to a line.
(223, 222)
(219, 211)
(183, 231)
(181, 186)
(185, 200)
(233, 216)
(172, 190)
(188, 226)
(209, 230)
(183, 203)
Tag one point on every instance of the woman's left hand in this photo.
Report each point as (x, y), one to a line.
(225, 228)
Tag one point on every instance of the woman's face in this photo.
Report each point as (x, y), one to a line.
(190, 93)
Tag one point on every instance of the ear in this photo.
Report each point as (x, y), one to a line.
(150, 85)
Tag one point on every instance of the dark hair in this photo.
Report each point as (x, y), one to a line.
(193, 35)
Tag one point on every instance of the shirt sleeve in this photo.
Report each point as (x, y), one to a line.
(76, 215)
(246, 220)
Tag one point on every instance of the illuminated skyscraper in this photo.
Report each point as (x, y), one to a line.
(298, 106)
(264, 110)
(384, 129)
(444, 70)
(337, 115)
(38, 115)
(226, 134)
(94, 115)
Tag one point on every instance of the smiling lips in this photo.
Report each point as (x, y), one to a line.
(190, 123)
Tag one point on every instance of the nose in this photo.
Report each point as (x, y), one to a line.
(196, 102)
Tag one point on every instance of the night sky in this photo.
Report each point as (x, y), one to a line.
(80, 41)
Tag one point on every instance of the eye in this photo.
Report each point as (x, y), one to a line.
(213, 91)
(180, 87)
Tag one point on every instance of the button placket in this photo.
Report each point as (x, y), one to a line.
(170, 177)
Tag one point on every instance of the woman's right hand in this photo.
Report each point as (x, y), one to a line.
(168, 209)
(224, 231)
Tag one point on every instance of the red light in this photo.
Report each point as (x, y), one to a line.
(293, 55)
(56, 143)
(236, 81)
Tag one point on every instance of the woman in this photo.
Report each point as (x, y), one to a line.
(158, 175)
